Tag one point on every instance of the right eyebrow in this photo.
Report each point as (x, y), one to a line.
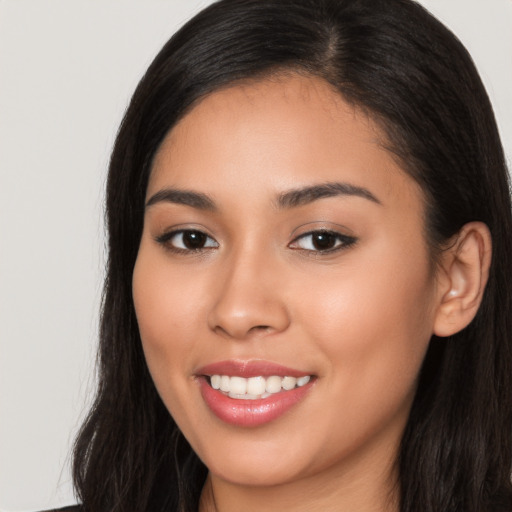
(186, 197)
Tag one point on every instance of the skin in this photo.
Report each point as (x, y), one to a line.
(358, 318)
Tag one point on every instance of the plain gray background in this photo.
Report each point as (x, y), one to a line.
(67, 70)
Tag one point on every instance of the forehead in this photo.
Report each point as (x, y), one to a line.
(277, 133)
(275, 107)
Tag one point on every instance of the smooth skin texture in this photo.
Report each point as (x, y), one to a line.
(355, 309)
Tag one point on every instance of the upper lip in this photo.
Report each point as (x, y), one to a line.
(249, 368)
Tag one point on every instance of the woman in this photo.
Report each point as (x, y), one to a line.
(307, 304)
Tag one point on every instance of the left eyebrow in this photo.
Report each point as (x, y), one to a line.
(305, 195)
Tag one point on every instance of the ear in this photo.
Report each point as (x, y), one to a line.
(462, 278)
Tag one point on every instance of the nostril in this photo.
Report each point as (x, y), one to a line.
(264, 328)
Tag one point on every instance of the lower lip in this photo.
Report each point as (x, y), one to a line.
(251, 413)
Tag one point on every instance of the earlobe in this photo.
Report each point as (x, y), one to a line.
(463, 276)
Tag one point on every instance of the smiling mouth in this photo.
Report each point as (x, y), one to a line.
(254, 388)
(252, 393)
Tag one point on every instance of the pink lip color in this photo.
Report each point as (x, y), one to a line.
(253, 368)
(250, 413)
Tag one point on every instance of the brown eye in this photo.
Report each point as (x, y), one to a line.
(322, 241)
(187, 240)
(193, 239)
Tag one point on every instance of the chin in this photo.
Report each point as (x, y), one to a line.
(254, 460)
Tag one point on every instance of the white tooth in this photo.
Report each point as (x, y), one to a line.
(215, 381)
(224, 383)
(256, 386)
(238, 385)
(289, 383)
(273, 384)
(242, 397)
(301, 381)
(266, 395)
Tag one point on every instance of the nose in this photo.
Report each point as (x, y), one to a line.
(249, 299)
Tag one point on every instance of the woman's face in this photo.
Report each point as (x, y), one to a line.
(281, 242)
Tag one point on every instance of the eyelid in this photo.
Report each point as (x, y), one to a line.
(166, 237)
(344, 241)
(321, 225)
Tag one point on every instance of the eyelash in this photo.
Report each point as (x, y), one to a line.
(166, 241)
(341, 241)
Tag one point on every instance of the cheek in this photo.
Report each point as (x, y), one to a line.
(374, 327)
(167, 306)
(166, 301)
